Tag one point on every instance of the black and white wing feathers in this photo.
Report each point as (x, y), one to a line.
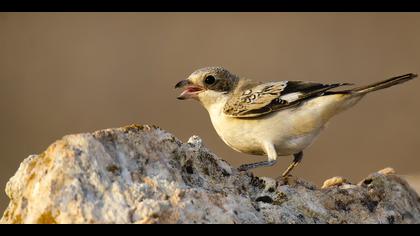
(265, 98)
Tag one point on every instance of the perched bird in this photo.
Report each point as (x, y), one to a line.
(275, 118)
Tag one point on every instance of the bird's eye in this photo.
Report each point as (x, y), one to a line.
(210, 80)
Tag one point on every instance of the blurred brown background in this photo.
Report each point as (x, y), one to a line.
(63, 73)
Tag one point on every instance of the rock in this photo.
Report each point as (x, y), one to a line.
(387, 171)
(413, 181)
(334, 181)
(142, 174)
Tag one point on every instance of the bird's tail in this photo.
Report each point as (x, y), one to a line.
(383, 84)
(352, 96)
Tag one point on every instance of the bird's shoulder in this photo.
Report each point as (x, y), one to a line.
(253, 99)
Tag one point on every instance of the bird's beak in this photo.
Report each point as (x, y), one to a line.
(191, 90)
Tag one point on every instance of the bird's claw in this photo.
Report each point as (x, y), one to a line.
(243, 168)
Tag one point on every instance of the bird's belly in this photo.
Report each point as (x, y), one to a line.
(290, 130)
(241, 136)
(289, 134)
(294, 143)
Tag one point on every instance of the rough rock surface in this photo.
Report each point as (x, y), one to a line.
(142, 174)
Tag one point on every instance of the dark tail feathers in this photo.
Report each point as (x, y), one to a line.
(384, 84)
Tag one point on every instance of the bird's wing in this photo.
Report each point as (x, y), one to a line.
(265, 98)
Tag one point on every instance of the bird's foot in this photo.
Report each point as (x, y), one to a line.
(283, 180)
(286, 180)
(243, 168)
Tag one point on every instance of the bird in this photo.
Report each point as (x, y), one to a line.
(273, 119)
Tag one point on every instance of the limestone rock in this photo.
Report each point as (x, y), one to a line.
(334, 181)
(142, 174)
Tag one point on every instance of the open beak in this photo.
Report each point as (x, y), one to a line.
(191, 90)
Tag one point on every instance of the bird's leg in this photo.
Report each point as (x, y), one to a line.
(246, 167)
(272, 156)
(297, 159)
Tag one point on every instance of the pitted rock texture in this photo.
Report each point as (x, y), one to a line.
(143, 174)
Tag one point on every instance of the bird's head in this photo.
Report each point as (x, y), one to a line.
(207, 85)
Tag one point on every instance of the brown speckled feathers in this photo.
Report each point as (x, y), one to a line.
(262, 99)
